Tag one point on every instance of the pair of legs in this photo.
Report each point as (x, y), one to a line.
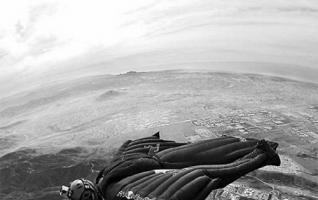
(217, 151)
(199, 168)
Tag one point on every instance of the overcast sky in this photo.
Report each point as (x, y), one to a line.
(40, 31)
(44, 35)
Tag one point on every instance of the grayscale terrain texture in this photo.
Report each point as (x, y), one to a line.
(50, 136)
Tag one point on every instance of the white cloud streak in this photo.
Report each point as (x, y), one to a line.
(35, 32)
(35, 35)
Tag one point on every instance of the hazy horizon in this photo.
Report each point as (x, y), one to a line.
(44, 41)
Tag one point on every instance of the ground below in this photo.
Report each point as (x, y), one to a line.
(54, 134)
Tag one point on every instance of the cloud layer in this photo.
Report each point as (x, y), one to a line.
(35, 32)
(41, 35)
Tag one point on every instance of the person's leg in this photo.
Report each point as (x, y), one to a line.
(209, 152)
(195, 183)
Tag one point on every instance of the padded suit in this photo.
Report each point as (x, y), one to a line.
(152, 168)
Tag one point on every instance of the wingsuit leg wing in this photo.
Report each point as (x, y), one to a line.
(194, 182)
(221, 150)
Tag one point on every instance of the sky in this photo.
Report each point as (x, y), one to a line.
(35, 32)
(39, 38)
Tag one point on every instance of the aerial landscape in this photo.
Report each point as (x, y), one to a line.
(71, 129)
(78, 78)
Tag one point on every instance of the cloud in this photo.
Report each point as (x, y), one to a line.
(35, 35)
(18, 28)
(45, 31)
